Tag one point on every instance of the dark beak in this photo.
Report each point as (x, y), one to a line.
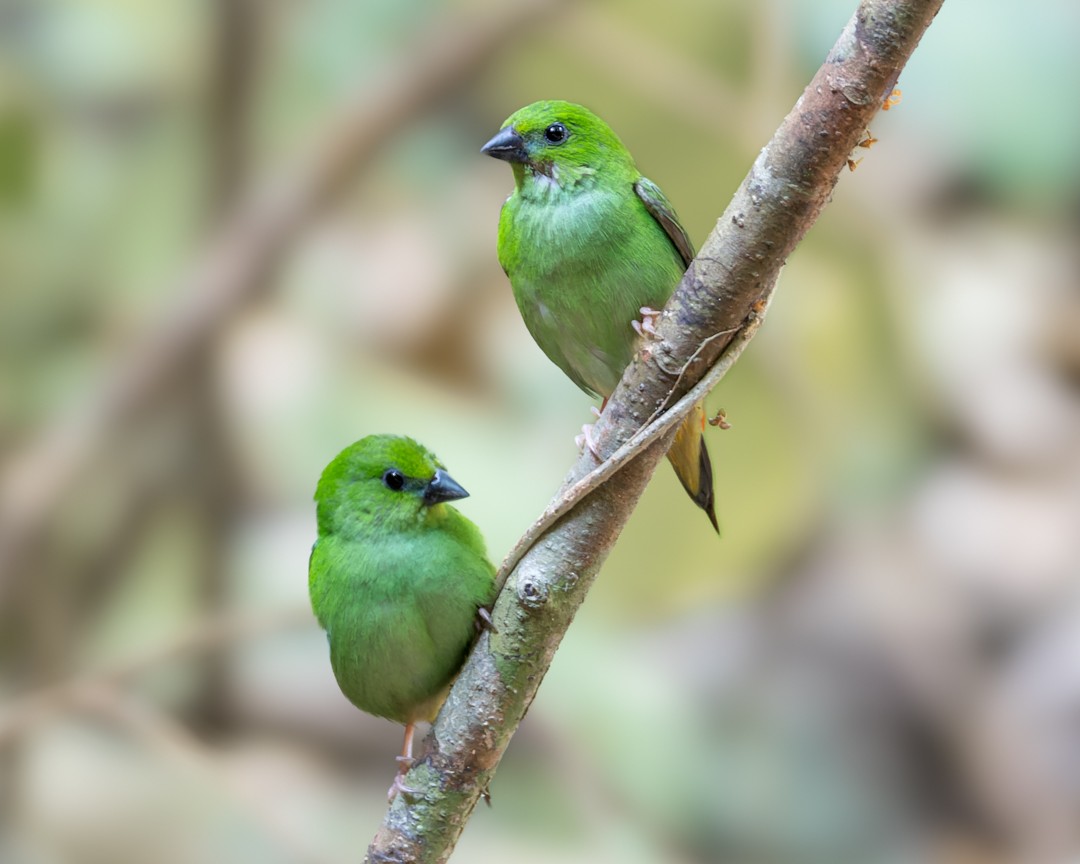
(507, 145)
(443, 487)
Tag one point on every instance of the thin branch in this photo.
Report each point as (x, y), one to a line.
(661, 423)
(31, 709)
(782, 196)
(234, 270)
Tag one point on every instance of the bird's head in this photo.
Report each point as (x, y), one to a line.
(559, 143)
(385, 480)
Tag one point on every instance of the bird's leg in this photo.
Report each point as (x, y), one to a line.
(646, 327)
(405, 762)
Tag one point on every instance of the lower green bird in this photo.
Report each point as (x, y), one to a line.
(590, 244)
(397, 578)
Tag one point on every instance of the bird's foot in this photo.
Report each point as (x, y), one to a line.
(398, 787)
(483, 621)
(646, 327)
(586, 441)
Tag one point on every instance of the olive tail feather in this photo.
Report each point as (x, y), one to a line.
(704, 497)
(692, 465)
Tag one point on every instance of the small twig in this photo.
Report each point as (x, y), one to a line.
(700, 351)
(655, 427)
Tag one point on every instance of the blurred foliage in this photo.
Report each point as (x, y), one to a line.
(877, 661)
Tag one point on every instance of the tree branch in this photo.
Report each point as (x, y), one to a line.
(708, 316)
(235, 269)
(27, 711)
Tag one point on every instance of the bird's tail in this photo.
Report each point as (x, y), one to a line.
(690, 460)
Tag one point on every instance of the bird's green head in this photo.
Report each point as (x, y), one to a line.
(558, 143)
(388, 482)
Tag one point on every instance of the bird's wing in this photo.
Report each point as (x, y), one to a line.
(661, 210)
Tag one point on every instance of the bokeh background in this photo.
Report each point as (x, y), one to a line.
(237, 235)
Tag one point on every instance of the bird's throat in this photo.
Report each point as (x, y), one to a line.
(547, 181)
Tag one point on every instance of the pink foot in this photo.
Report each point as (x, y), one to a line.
(647, 325)
(398, 787)
(585, 440)
(405, 762)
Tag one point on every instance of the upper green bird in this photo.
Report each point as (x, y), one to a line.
(590, 244)
(396, 579)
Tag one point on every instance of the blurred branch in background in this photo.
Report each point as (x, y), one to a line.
(167, 376)
(216, 493)
(236, 268)
(209, 635)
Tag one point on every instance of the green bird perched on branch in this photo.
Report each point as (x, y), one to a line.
(397, 577)
(589, 244)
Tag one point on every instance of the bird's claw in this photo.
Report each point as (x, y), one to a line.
(398, 787)
(585, 441)
(646, 327)
(484, 622)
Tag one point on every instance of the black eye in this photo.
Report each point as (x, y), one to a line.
(555, 133)
(393, 480)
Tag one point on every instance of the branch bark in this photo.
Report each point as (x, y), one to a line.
(723, 291)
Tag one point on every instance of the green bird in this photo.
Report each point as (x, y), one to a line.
(589, 244)
(397, 578)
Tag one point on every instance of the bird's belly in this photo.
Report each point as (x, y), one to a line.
(586, 348)
(385, 663)
(581, 270)
(580, 307)
(581, 267)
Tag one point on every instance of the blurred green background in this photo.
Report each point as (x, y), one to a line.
(880, 660)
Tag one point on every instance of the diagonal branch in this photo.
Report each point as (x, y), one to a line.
(235, 269)
(718, 300)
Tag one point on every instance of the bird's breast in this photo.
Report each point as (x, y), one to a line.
(581, 265)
